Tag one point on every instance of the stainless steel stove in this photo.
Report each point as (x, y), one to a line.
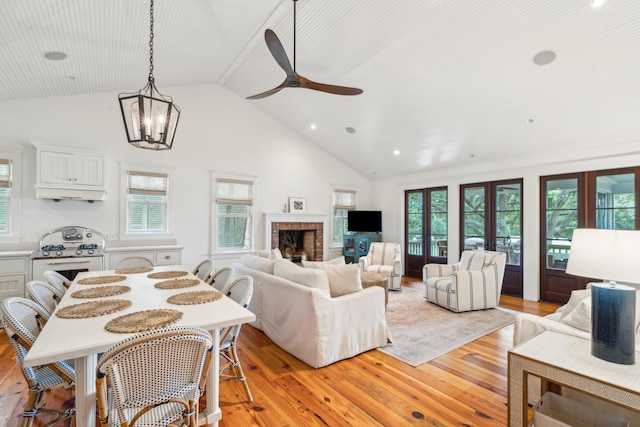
(68, 250)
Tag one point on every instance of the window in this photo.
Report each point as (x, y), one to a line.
(147, 202)
(234, 213)
(5, 196)
(343, 201)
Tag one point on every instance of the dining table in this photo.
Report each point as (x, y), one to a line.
(82, 333)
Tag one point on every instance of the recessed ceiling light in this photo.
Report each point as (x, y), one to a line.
(597, 3)
(313, 126)
(55, 56)
(545, 57)
(350, 129)
(396, 152)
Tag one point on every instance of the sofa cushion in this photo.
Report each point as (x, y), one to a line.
(316, 264)
(257, 263)
(275, 254)
(343, 279)
(310, 277)
(473, 260)
(575, 298)
(580, 316)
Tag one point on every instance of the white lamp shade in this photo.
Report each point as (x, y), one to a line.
(605, 254)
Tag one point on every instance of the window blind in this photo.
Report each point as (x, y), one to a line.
(234, 192)
(5, 173)
(148, 183)
(344, 199)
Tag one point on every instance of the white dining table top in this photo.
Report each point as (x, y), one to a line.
(63, 339)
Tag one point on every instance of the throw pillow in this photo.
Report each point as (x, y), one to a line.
(304, 276)
(263, 253)
(343, 279)
(574, 300)
(317, 264)
(580, 317)
(275, 254)
(257, 263)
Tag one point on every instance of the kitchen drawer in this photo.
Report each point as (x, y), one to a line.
(114, 259)
(13, 265)
(168, 257)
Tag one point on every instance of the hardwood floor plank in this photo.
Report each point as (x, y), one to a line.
(465, 387)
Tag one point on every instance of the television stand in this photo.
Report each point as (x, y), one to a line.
(355, 245)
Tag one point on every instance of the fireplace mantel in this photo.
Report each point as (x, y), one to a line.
(270, 218)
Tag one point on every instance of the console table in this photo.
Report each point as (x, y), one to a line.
(567, 361)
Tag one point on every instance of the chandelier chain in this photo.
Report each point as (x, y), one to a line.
(151, 43)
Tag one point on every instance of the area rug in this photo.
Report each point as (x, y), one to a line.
(422, 331)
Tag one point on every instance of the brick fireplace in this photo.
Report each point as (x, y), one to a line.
(294, 234)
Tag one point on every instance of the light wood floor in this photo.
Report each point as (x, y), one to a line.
(466, 387)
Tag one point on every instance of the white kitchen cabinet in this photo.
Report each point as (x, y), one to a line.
(71, 169)
(13, 273)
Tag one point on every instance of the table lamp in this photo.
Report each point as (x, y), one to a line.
(610, 255)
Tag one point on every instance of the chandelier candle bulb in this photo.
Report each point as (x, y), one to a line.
(613, 321)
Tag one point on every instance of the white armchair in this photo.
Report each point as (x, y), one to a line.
(474, 283)
(385, 259)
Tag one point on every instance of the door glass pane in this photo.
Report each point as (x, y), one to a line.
(508, 231)
(438, 222)
(615, 202)
(414, 221)
(562, 219)
(474, 217)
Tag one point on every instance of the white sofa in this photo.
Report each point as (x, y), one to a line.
(304, 320)
(573, 318)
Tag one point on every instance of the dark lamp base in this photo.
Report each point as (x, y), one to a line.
(613, 310)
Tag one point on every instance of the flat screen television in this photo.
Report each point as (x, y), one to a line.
(364, 221)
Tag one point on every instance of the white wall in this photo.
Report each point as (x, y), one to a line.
(218, 131)
(388, 195)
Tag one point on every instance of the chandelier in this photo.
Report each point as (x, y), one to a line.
(150, 118)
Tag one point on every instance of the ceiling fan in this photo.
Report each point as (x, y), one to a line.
(294, 79)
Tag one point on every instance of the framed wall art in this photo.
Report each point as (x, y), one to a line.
(297, 205)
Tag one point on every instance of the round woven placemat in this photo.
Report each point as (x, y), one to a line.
(167, 274)
(93, 308)
(176, 283)
(197, 297)
(143, 321)
(101, 280)
(134, 270)
(102, 291)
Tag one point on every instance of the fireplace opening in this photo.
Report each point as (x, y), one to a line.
(297, 245)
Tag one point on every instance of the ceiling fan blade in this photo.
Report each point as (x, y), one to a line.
(270, 92)
(278, 52)
(323, 87)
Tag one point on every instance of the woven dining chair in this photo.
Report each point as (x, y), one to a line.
(45, 294)
(204, 270)
(154, 378)
(134, 262)
(240, 290)
(56, 279)
(20, 320)
(221, 279)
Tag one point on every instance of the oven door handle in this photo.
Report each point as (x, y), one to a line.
(82, 261)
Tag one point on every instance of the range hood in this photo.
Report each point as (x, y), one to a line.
(58, 194)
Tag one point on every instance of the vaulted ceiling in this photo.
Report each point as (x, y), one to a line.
(446, 82)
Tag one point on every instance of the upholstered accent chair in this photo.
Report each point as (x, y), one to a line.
(474, 283)
(384, 258)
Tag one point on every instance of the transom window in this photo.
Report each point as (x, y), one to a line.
(147, 202)
(234, 213)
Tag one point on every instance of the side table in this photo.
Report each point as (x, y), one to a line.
(567, 361)
(369, 279)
